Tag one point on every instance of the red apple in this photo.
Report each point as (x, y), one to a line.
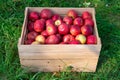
(67, 38)
(33, 16)
(30, 26)
(81, 38)
(72, 13)
(75, 30)
(51, 29)
(74, 42)
(39, 25)
(92, 39)
(78, 21)
(43, 21)
(86, 15)
(58, 22)
(52, 39)
(59, 36)
(56, 17)
(63, 29)
(29, 41)
(49, 21)
(46, 14)
(68, 20)
(44, 33)
(40, 39)
(89, 22)
(86, 30)
(32, 35)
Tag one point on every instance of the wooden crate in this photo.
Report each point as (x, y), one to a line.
(49, 58)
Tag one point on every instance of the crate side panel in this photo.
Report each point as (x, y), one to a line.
(58, 48)
(85, 65)
(69, 55)
(24, 28)
(96, 30)
(62, 11)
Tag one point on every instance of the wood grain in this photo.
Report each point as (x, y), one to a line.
(24, 28)
(57, 51)
(62, 10)
(84, 65)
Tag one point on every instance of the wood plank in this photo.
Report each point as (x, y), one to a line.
(84, 65)
(95, 29)
(59, 48)
(24, 28)
(61, 10)
(85, 55)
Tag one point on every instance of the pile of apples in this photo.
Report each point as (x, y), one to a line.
(48, 28)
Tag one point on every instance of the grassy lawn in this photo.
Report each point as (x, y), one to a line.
(108, 21)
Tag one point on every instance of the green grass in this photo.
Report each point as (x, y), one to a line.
(108, 21)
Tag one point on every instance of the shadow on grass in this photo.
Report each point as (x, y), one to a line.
(110, 35)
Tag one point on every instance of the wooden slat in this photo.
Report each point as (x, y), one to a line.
(63, 52)
(85, 55)
(84, 65)
(24, 28)
(58, 48)
(95, 29)
(61, 10)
